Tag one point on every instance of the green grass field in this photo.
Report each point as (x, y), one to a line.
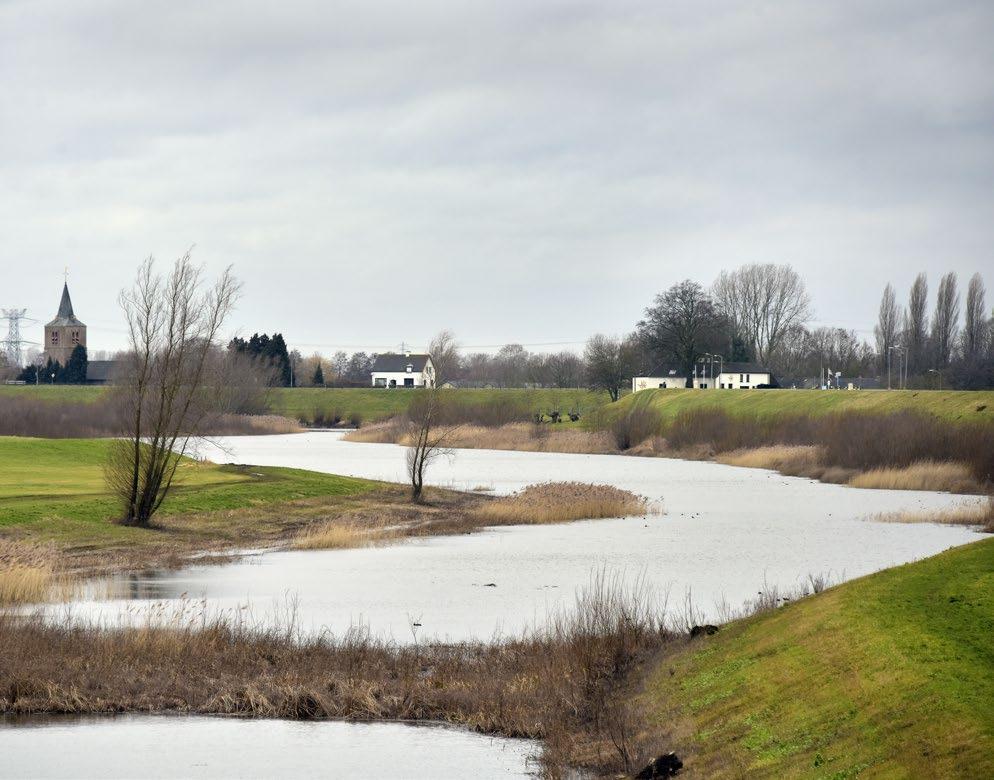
(370, 404)
(53, 489)
(891, 675)
(952, 405)
(366, 404)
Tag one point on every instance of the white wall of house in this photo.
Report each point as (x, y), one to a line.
(727, 380)
(658, 382)
(409, 378)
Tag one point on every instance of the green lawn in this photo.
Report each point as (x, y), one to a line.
(891, 675)
(366, 404)
(54, 489)
(371, 404)
(952, 405)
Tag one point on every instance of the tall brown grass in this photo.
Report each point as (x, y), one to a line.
(339, 535)
(524, 437)
(923, 475)
(29, 416)
(27, 572)
(793, 460)
(562, 502)
(979, 515)
(561, 683)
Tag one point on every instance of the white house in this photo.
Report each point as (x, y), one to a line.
(725, 376)
(668, 378)
(403, 370)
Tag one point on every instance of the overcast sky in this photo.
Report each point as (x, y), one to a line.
(514, 171)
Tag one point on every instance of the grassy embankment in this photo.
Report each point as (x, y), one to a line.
(891, 675)
(56, 513)
(958, 406)
(358, 405)
(371, 405)
(52, 491)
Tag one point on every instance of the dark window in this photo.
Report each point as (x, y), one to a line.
(408, 381)
(55, 337)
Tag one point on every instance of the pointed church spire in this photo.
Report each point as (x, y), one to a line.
(65, 305)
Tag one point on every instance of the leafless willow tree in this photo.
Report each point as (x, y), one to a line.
(763, 303)
(430, 430)
(945, 323)
(444, 351)
(888, 323)
(975, 328)
(173, 323)
(916, 324)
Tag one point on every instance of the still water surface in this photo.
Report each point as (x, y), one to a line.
(727, 534)
(201, 747)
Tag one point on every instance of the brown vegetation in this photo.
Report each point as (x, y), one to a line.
(562, 502)
(27, 572)
(793, 460)
(525, 437)
(563, 684)
(979, 515)
(342, 534)
(923, 475)
(27, 416)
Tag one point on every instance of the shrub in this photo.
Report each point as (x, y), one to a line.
(639, 425)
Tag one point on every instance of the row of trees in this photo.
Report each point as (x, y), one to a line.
(915, 342)
(53, 372)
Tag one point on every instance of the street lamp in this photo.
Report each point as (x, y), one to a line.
(899, 374)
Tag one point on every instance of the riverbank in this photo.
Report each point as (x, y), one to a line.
(889, 675)
(57, 518)
(794, 460)
(844, 681)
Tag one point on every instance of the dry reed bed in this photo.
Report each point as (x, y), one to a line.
(28, 572)
(978, 515)
(550, 502)
(340, 535)
(560, 684)
(102, 417)
(525, 437)
(562, 502)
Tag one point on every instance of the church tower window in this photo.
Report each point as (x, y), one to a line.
(55, 337)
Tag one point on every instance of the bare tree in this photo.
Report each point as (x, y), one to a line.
(763, 303)
(975, 329)
(681, 325)
(429, 439)
(945, 323)
(888, 322)
(609, 364)
(916, 324)
(173, 324)
(444, 353)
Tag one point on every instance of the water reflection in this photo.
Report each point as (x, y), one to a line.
(195, 747)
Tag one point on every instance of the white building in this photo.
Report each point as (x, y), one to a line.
(726, 376)
(667, 379)
(403, 370)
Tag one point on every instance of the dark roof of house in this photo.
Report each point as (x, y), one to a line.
(744, 368)
(398, 363)
(65, 315)
(661, 371)
(102, 370)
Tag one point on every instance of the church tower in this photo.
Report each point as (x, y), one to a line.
(64, 332)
